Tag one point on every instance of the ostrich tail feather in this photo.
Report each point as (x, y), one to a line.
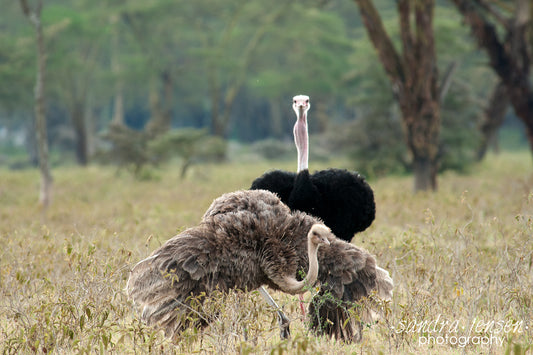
(342, 315)
(334, 318)
(384, 284)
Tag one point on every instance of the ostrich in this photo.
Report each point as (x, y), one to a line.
(342, 199)
(246, 239)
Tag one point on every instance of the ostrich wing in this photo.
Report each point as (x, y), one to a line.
(344, 265)
(348, 274)
(185, 266)
(171, 272)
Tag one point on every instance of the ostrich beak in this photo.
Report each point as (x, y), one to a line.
(324, 240)
(300, 111)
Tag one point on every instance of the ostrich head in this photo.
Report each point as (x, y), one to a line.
(300, 105)
(318, 235)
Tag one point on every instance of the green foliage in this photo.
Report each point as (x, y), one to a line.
(135, 150)
(191, 145)
(185, 143)
(313, 51)
(128, 148)
(273, 149)
(512, 138)
(378, 146)
(16, 72)
(459, 136)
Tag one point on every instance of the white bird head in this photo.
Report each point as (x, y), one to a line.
(318, 235)
(300, 105)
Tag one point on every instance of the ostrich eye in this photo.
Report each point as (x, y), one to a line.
(306, 101)
(294, 101)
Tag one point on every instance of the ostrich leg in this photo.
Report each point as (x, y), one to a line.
(284, 322)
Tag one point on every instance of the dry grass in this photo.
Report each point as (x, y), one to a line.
(463, 255)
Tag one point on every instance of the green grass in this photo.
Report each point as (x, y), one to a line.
(462, 255)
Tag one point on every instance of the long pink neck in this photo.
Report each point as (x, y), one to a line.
(301, 140)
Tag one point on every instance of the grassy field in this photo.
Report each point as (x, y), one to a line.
(461, 260)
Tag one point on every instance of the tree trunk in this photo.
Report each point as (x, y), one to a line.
(424, 171)
(118, 104)
(91, 126)
(522, 100)
(80, 132)
(30, 142)
(275, 118)
(494, 115)
(321, 115)
(413, 76)
(40, 111)
(40, 122)
(217, 128)
(161, 106)
(422, 132)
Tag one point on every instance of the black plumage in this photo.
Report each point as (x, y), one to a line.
(342, 199)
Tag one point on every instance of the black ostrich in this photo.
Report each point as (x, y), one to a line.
(343, 200)
(247, 239)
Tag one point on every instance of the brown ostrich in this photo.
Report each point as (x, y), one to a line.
(251, 231)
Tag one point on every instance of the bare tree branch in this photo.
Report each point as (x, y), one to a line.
(510, 58)
(491, 10)
(25, 8)
(379, 37)
(447, 80)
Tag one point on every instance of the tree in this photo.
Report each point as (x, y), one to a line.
(308, 56)
(116, 68)
(40, 115)
(220, 120)
(413, 75)
(148, 23)
(507, 40)
(493, 117)
(73, 67)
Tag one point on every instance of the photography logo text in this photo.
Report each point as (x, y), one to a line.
(442, 331)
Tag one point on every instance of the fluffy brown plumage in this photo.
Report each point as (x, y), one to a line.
(245, 239)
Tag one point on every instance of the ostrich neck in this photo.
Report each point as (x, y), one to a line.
(291, 285)
(301, 140)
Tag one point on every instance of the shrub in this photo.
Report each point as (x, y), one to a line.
(136, 149)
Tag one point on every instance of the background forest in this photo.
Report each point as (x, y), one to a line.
(229, 69)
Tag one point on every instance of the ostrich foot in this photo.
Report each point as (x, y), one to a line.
(284, 322)
(284, 325)
(302, 308)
